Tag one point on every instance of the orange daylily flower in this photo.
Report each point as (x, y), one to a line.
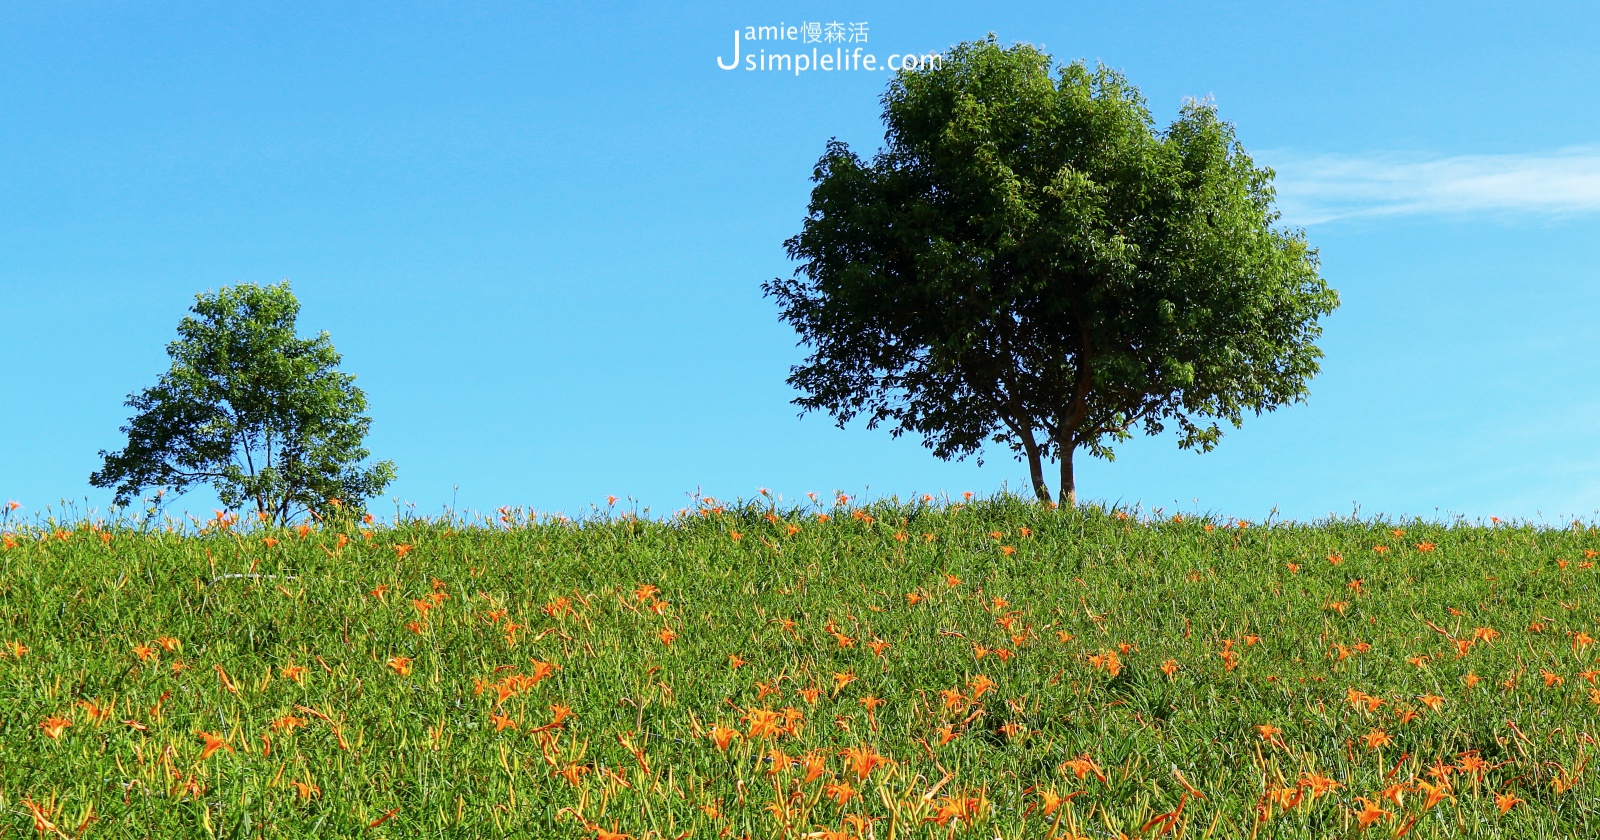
(573, 773)
(1283, 798)
(401, 665)
(839, 792)
(213, 742)
(1369, 812)
(863, 759)
(723, 736)
(559, 714)
(814, 763)
(1440, 770)
(1108, 661)
(764, 723)
(53, 725)
(1435, 792)
(1082, 767)
(1317, 784)
(953, 808)
(95, 711)
(1049, 801)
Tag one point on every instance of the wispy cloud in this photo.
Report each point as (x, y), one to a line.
(1313, 189)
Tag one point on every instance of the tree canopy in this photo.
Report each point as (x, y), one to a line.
(1029, 261)
(262, 416)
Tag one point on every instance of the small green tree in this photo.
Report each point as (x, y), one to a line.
(1029, 261)
(262, 416)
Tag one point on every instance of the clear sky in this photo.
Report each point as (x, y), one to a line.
(538, 235)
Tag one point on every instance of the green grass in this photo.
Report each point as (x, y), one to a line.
(423, 748)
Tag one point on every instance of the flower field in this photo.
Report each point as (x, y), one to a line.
(987, 668)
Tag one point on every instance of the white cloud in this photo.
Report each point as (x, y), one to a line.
(1321, 188)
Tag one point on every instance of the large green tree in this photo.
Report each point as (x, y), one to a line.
(262, 416)
(1030, 261)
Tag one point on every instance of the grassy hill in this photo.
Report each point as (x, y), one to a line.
(923, 670)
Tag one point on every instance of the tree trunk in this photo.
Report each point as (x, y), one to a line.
(1069, 489)
(1036, 472)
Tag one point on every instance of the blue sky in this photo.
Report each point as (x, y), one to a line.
(538, 235)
